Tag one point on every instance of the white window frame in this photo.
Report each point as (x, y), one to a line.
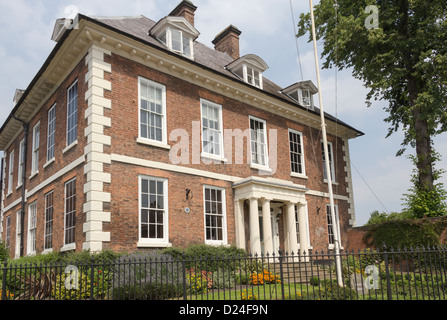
(168, 40)
(306, 102)
(74, 114)
(51, 133)
(255, 74)
(224, 240)
(18, 232)
(153, 242)
(8, 232)
(301, 174)
(35, 151)
(48, 224)
(10, 171)
(331, 161)
(297, 225)
(164, 136)
(70, 245)
(330, 224)
(32, 229)
(21, 163)
(221, 152)
(305, 222)
(253, 164)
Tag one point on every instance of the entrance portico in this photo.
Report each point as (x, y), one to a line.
(269, 200)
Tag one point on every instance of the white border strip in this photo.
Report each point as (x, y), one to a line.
(201, 173)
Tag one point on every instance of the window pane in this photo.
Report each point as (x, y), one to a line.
(48, 241)
(211, 128)
(35, 155)
(331, 164)
(163, 38)
(296, 155)
(72, 114)
(152, 221)
(151, 111)
(70, 211)
(258, 142)
(176, 40)
(214, 214)
(51, 132)
(186, 46)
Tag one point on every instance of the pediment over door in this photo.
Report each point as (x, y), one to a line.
(269, 188)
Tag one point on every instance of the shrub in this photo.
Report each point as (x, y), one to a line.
(200, 281)
(78, 285)
(332, 291)
(315, 281)
(147, 291)
(4, 255)
(147, 276)
(223, 279)
(203, 256)
(403, 234)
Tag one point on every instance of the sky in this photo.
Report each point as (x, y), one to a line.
(268, 29)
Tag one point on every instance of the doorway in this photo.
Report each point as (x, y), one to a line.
(274, 216)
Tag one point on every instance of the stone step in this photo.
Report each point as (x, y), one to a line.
(302, 272)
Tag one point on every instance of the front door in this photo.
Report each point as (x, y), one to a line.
(275, 232)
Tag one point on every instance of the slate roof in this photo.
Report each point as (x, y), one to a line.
(139, 26)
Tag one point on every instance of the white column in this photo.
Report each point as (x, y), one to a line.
(304, 229)
(291, 228)
(240, 226)
(267, 227)
(255, 238)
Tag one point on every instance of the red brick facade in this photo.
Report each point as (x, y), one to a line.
(127, 160)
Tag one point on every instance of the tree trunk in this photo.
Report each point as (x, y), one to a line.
(424, 158)
(423, 151)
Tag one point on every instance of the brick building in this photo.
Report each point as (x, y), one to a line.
(134, 135)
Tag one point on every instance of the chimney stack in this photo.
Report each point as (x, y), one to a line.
(186, 10)
(228, 41)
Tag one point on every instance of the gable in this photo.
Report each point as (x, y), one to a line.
(178, 23)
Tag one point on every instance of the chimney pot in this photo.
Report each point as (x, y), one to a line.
(185, 9)
(228, 41)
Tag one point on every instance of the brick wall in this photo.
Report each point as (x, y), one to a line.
(59, 97)
(183, 108)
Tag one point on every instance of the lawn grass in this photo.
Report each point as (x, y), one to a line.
(305, 291)
(251, 292)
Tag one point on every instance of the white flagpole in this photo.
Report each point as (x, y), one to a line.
(326, 154)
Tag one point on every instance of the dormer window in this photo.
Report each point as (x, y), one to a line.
(306, 98)
(178, 42)
(249, 68)
(302, 92)
(177, 34)
(253, 77)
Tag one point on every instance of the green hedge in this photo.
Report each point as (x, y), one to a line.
(406, 233)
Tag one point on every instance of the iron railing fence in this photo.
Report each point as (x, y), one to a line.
(409, 274)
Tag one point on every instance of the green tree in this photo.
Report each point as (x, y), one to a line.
(422, 202)
(377, 217)
(402, 60)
